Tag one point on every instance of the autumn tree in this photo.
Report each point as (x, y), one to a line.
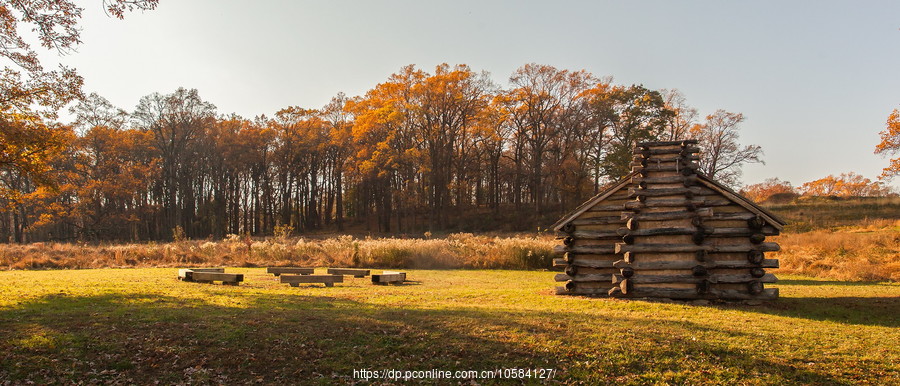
(176, 122)
(845, 185)
(684, 117)
(630, 115)
(721, 154)
(770, 187)
(540, 104)
(26, 142)
(890, 144)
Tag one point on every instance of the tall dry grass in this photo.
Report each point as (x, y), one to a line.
(867, 253)
(870, 253)
(460, 250)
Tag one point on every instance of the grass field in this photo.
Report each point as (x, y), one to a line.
(142, 325)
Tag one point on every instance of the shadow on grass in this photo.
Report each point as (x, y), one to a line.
(314, 339)
(870, 311)
(832, 282)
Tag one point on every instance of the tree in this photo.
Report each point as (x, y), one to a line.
(721, 155)
(770, 187)
(845, 185)
(28, 144)
(631, 115)
(890, 144)
(176, 122)
(683, 116)
(539, 104)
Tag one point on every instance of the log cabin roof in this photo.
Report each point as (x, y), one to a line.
(725, 191)
(625, 181)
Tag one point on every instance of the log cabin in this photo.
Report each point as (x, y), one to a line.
(667, 231)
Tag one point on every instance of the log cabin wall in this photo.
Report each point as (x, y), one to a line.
(666, 231)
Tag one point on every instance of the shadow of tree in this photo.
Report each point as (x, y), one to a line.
(832, 282)
(869, 311)
(295, 338)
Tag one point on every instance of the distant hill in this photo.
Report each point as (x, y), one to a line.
(810, 213)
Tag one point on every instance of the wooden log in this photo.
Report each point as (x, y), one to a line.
(291, 270)
(653, 152)
(700, 256)
(732, 216)
(670, 215)
(582, 291)
(349, 271)
(584, 278)
(699, 271)
(757, 238)
(697, 191)
(671, 231)
(755, 257)
(593, 250)
(703, 286)
(225, 278)
(692, 203)
(723, 264)
(757, 272)
(568, 228)
(632, 224)
(571, 270)
(606, 220)
(756, 222)
(678, 293)
(677, 160)
(627, 272)
(666, 167)
(598, 235)
(687, 181)
(592, 263)
(661, 248)
(682, 142)
(755, 287)
(698, 236)
(328, 280)
(714, 279)
(559, 262)
(648, 158)
(607, 208)
(389, 277)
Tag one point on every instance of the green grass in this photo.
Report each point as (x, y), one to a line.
(142, 325)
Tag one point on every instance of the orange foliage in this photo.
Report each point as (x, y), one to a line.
(768, 188)
(845, 185)
(890, 144)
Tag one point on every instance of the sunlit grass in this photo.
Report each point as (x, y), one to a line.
(142, 325)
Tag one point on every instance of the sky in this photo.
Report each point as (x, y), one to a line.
(815, 80)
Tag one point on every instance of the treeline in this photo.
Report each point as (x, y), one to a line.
(421, 151)
(844, 185)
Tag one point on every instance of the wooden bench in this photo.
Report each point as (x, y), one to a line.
(186, 274)
(389, 277)
(296, 280)
(349, 271)
(291, 270)
(209, 275)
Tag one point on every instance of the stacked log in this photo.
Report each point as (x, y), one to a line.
(588, 261)
(665, 233)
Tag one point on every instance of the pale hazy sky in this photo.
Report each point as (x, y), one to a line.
(816, 80)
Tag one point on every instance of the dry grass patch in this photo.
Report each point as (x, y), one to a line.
(459, 250)
(867, 254)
